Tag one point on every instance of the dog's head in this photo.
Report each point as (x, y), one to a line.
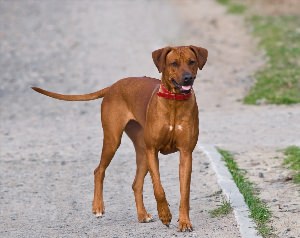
(179, 66)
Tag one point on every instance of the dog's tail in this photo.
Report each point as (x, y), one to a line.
(84, 97)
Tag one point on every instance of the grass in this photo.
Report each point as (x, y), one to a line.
(233, 7)
(223, 210)
(279, 81)
(292, 160)
(258, 209)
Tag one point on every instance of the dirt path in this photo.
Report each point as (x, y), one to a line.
(254, 133)
(50, 148)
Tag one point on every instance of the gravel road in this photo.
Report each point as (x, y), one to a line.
(50, 148)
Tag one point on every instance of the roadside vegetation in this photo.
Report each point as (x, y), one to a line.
(258, 209)
(279, 81)
(279, 36)
(233, 7)
(222, 210)
(292, 160)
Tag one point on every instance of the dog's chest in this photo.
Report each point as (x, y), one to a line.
(171, 125)
(170, 136)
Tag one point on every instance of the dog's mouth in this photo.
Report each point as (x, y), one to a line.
(182, 88)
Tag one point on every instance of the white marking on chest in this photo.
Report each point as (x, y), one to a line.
(179, 127)
(171, 128)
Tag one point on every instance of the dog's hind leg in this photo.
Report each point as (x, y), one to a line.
(110, 146)
(113, 127)
(135, 133)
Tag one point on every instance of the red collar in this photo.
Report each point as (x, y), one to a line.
(165, 93)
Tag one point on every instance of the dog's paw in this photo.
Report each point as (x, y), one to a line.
(185, 225)
(145, 218)
(99, 215)
(98, 209)
(164, 213)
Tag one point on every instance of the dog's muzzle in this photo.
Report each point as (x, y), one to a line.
(188, 81)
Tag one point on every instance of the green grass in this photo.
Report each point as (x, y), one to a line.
(233, 7)
(224, 2)
(292, 160)
(258, 210)
(279, 81)
(223, 210)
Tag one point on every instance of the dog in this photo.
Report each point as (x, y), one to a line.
(158, 116)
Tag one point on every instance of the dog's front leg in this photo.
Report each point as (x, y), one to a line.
(162, 205)
(185, 170)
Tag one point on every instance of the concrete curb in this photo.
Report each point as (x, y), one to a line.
(229, 188)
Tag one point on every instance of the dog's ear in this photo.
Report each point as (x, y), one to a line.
(159, 57)
(201, 55)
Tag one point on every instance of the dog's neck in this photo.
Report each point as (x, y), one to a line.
(165, 93)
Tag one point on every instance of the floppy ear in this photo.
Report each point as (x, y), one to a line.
(159, 57)
(201, 55)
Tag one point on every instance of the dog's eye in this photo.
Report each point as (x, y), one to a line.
(175, 64)
(192, 62)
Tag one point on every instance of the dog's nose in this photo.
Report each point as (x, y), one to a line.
(187, 77)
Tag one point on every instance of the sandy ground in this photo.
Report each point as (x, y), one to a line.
(50, 148)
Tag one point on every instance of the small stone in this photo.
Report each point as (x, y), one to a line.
(261, 175)
(288, 178)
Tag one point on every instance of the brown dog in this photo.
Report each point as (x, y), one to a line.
(158, 116)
